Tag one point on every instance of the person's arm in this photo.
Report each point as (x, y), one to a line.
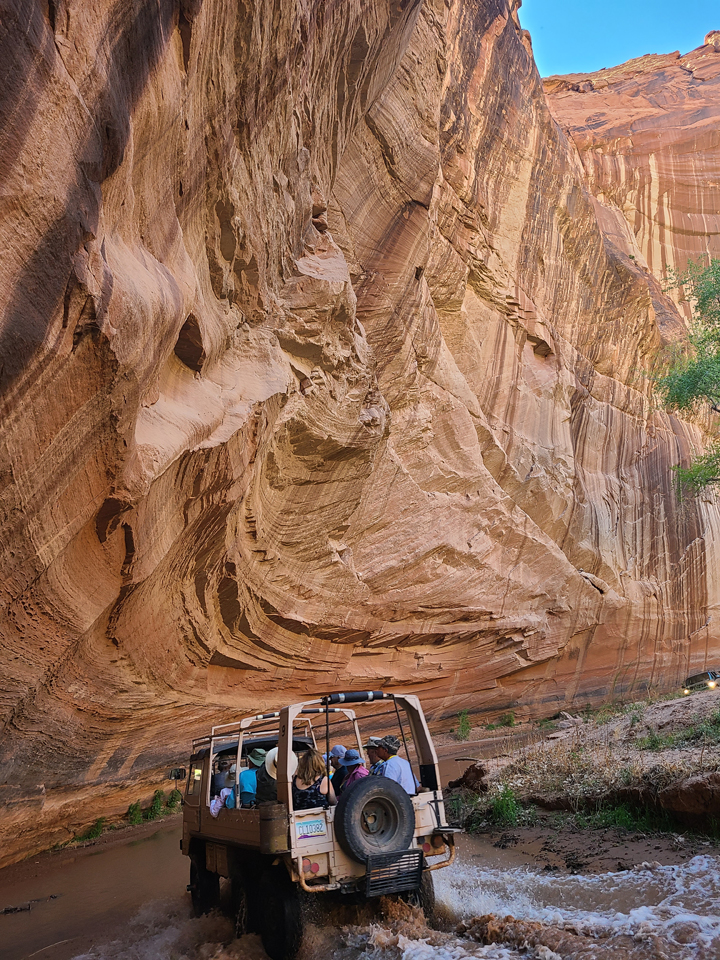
(332, 799)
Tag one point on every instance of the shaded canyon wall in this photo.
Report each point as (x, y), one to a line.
(318, 371)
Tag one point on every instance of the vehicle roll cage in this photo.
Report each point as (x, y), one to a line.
(333, 703)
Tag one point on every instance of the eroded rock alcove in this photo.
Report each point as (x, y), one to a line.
(322, 366)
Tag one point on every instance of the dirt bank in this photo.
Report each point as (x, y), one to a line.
(662, 756)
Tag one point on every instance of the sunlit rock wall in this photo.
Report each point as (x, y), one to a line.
(648, 134)
(317, 372)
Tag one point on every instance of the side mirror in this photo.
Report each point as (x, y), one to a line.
(177, 773)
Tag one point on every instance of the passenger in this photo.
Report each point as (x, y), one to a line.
(311, 787)
(336, 755)
(395, 767)
(217, 803)
(355, 769)
(220, 777)
(267, 777)
(247, 783)
(375, 762)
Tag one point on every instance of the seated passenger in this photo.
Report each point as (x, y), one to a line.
(354, 767)
(267, 777)
(247, 783)
(217, 803)
(375, 762)
(336, 755)
(220, 777)
(311, 787)
(395, 767)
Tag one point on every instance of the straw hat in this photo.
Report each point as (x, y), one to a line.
(271, 763)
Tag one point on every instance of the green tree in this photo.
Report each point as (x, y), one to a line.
(691, 373)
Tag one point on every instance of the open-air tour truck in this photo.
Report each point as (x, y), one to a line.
(378, 840)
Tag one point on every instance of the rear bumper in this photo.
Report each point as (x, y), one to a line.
(393, 873)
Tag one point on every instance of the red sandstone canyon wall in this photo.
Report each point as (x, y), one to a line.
(648, 135)
(319, 370)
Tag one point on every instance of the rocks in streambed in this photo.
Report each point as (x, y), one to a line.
(473, 778)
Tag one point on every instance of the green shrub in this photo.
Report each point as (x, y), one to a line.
(156, 806)
(463, 728)
(174, 800)
(507, 720)
(504, 809)
(134, 813)
(93, 832)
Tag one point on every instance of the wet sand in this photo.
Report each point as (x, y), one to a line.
(555, 845)
(84, 895)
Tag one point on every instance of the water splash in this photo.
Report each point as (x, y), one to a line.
(668, 912)
(680, 904)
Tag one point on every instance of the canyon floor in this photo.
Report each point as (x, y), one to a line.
(557, 880)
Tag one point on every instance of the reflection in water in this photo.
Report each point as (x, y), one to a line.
(663, 913)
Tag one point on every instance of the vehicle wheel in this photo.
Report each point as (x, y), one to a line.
(204, 887)
(240, 910)
(375, 816)
(424, 896)
(281, 923)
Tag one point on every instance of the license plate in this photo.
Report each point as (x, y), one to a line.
(310, 828)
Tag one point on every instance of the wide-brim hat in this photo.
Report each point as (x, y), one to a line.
(351, 759)
(392, 744)
(257, 756)
(271, 763)
(372, 743)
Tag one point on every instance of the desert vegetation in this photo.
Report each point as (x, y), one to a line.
(645, 765)
(690, 375)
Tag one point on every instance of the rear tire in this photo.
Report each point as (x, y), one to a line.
(424, 897)
(281, 922)
(240, 910)
(204, 886)
(375, 816)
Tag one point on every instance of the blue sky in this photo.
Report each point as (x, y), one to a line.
(578, 37)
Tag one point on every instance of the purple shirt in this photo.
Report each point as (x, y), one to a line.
(357, 774)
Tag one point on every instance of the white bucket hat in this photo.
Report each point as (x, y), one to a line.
(271, 763)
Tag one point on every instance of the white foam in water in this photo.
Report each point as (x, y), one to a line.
(680, 904)
(456, 950)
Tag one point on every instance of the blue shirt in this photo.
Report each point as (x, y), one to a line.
(398, 769)
(247, 785)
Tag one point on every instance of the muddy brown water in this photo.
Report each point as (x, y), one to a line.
(126, 900)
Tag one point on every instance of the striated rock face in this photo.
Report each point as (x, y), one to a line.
(648, 135)
(318, 371)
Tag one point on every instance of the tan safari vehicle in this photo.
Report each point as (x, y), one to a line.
(378, 841)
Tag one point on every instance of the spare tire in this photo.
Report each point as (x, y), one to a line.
(374, 816)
